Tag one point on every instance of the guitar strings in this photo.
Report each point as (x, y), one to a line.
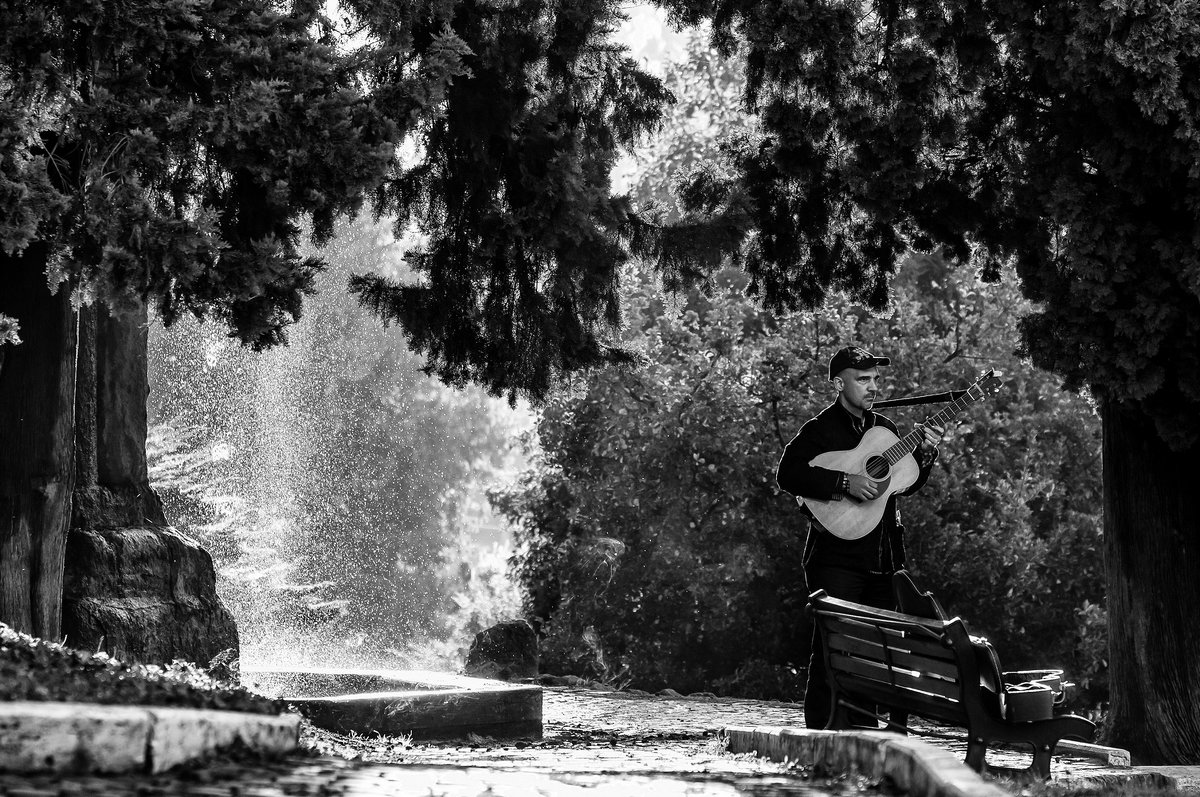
(907, 444)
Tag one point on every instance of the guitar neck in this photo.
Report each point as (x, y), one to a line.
(907, 444)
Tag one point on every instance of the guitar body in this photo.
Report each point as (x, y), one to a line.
(849, 518)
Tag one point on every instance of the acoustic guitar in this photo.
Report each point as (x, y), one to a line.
(888, 461)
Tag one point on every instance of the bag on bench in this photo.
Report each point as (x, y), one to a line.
(1021, 695)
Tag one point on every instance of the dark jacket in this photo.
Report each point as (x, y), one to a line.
(836, 429)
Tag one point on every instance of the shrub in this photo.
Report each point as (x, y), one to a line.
(35, 669)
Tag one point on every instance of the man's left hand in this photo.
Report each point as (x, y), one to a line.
(931, 435)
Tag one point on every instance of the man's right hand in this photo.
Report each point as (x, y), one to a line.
(861, 487)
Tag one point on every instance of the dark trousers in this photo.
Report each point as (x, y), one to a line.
(872, 589)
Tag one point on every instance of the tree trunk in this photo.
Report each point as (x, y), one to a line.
(112, 487)
(1152, 556)
(37, 472)
(133, 587)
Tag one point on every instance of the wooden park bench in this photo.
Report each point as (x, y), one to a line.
(879, 660)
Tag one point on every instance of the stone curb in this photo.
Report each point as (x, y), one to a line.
(916, 767)
(88, 737)
(1181, 778)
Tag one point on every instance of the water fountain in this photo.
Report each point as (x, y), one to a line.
(340, 493)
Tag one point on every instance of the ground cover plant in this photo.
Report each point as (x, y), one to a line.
(39, 670)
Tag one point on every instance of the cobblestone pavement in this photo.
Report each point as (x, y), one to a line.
(595, 743)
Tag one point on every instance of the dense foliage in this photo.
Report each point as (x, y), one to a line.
(167, 152)
(708, 109)
(656, 547)
(35, 669)
(1060, 142)
(524, 238)
(1064, 142)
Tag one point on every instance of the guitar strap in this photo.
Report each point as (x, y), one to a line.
(929, 398)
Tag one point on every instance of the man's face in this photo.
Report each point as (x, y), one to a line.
(859, 388)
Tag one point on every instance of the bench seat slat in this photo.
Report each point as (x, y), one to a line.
(946, 667)
(874, 671)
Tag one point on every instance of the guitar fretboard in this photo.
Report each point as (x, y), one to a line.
(907, 444)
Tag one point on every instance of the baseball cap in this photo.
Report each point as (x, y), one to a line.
(854, 357)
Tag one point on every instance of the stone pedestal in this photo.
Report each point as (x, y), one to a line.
(143, 594)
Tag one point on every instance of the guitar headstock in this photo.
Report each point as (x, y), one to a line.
(988, 383)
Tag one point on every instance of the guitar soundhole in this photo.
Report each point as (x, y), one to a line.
(877, 467)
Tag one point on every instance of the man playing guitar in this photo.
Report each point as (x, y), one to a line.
(853, 554)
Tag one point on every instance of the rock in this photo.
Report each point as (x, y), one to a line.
(574, 680)
(702, 695)
(600, 686)
(551, 680)
(668, 693)
(506, 651)
(144, 595)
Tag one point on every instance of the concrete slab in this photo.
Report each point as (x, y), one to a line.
(1112, 756)
(421, 704)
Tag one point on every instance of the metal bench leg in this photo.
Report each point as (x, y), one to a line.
(1041, 760)
(976, 749)
(839, 717)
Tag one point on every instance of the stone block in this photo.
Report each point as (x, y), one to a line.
(180, 735)
(72, 737)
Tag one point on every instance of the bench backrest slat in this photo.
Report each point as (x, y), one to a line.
(917, 640)
(848, 609)
(944, 666)
(903, 679)
(901, 660)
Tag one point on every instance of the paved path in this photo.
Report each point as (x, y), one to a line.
(595, 743)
